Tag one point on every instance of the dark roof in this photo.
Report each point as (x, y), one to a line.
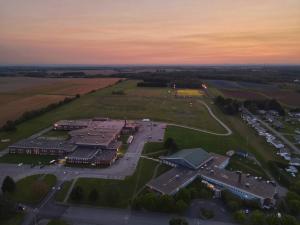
(195, 157)
(171, 181)
(44, 144)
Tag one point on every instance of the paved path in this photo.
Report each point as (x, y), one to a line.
(228, 130)
(70, 190)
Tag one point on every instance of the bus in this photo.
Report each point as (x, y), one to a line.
(130, 139)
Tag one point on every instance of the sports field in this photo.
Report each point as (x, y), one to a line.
(22, 94)
(189, 92)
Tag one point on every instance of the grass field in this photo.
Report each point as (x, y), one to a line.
(60, 195)
(14, 220)
(124, 189)
(21, 94)
(189, 92)
(25, 193)
(155, 103)
(246, 166)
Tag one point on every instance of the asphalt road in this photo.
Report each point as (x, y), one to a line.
(106, 216)
(280, 136)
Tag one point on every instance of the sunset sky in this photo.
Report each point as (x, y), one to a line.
(149, 31)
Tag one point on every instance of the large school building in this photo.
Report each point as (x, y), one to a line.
(190, 164)
(93, 141)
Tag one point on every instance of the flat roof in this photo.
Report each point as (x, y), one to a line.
(45, 144)
(106, 155)
(171, 181)
(193, 156)
(248, 184)
(83, 152)
(98, 133)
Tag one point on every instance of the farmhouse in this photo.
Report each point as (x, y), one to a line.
(92, 141)
(190, 164)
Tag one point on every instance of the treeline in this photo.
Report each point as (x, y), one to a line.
(171, 82)
(295, 110)
(231, 106)
(268, 104)
(257, 74)
(228, 105)
(11, 125)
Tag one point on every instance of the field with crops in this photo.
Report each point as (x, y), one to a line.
(22, 94)
(286, 94)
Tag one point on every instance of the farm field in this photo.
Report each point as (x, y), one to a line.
(256, 91)
(22, 94)
(137, 103)
(239, 94)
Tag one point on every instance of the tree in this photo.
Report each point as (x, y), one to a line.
(149, 201)
(166, 203)
(93, 195)
(257, 217)
(77, 193)
(170, 144)
(8, 185)
(9, 126)
(181, 206)
(239, 216)
(184, 194)
(178, 221)
(289, 220)
(272, 220)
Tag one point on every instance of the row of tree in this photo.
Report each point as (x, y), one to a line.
(227, 105)
(11, 125)
(172, 204)
(267, 104)
(110, 197)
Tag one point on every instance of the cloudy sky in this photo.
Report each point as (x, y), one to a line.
(149, 31)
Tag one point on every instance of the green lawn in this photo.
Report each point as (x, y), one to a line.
(123, 190)
(15, 220)
(25, 191)
(246, 166)
(26, 159)
(155, 103)
(60, 195)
